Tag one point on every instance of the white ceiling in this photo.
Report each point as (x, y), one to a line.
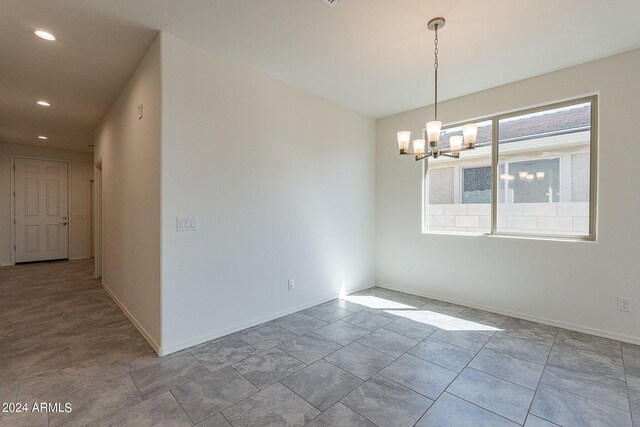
(373, 56)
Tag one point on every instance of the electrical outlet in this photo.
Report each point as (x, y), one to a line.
(408, 269)
(292, 284)
(624, 304)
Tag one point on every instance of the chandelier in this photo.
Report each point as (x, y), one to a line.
(431, 133)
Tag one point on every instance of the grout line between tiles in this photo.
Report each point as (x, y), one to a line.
(626, 381)
(474, 404)
(458, 375)
(540, 379)
(181, 407)
(225, 418)
(580, 395)
(142, 399)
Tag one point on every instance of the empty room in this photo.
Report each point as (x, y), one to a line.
(319, 213)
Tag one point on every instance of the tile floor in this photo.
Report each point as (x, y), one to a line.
(378, 357)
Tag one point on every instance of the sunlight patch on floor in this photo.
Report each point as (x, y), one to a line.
(442, 321)
(376, 302)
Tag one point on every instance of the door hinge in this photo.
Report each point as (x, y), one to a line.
(14, 247)
(14, 194)
(14, 220)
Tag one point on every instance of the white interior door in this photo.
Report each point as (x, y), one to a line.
(41, 210)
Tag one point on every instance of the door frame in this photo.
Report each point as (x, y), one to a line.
(91, 206)
(12, 252)
(98, 212)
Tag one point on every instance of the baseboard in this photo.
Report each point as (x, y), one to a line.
(551, 322)
(70, 259)
(163, 351)
(132, 318)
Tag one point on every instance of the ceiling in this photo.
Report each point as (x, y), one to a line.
(372, 56)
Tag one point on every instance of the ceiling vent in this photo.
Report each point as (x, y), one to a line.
(332, 3)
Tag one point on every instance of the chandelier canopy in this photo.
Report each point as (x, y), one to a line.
(431, 133)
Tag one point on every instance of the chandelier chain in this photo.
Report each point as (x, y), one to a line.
(435, 67)
(435, 50)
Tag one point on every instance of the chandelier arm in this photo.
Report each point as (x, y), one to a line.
(425, 154)
(451, 150)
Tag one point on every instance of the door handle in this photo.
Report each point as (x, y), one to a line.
(63, 223)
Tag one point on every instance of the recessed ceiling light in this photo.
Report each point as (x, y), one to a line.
(43, 103)
(44, 35)
(42, 137)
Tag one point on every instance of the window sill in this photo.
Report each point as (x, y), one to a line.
(577, 239)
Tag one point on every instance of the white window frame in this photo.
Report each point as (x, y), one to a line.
(495, 155)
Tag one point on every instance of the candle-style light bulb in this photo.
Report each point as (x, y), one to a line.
(455, 142)
(403, 141)
(470, 133)
(418, 146)
(433, 132)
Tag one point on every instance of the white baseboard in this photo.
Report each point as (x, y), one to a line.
(132, 318)
(163, 351)
(532, 318)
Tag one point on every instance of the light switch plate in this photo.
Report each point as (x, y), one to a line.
(186, 223)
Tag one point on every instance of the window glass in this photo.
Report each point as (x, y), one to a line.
(458, 195)
(531, 181)
(544, 172)
(441, 185)
(476, 184)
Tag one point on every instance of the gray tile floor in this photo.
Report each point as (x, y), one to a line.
(377, 357)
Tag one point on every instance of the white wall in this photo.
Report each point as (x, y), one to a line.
(129, 150)
(566, 283)
(81, 171)
(282, 184)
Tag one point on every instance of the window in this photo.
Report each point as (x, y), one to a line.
(543, 181)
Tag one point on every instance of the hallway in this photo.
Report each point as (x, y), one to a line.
(63, 339)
